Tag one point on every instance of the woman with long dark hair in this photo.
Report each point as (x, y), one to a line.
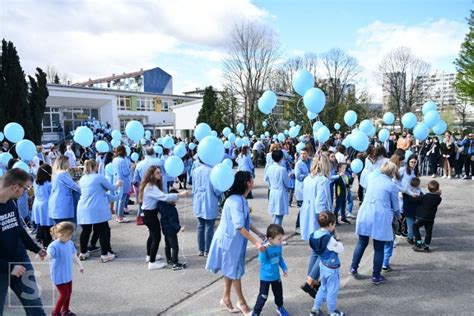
(229, 245)
(42, 186)
(448, 151)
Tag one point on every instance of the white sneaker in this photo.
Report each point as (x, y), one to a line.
(156, 265)
(108, 257)
(443, 177)
(84, 256)
(147, 258)
(449, 178)
(433, 176)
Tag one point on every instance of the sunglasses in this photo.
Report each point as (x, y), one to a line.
(26, 188)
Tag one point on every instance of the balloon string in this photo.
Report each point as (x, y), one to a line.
(184, 220)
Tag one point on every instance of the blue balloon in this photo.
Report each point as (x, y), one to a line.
(14, 132)
(267, 102)
(440, 127)
(134, 130)
(350, 118)
(83, 136)
(201, 131)
(214, 133)
(281, 137)
(317, 125)
(264, 123)
(372, 131)
(337, 126)
(192, 146)
(302, 81)
(5, 158)
(293, 132)
(323, 134)
(314, 100)
(245, 141)
(180, 150)
(357, 165)
(300, 146)
(359, 141)
(26, 150)
(311, 115)
(292, 123)
(384, 134)
(408, 120)
(389, 118)
(226, 131)
(241, 134)
(286, 132)
(429, 106)
(102, 146)
(159, 141)
(431, 118)
(115, 143)
(347, 141)
(228, 162)
(174, 166)
(231, 137)
(239, 142)
(158, 149)
(109, 169)
(267, 134)
(222, 177)
(134, 157)
(421, 131)
(168, 142)
(227, 144)
(240, 127)
(211, 150)
(366, 126)
(1, 136)
(251, 133)
(21, 165)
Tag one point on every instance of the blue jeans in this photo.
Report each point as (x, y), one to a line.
(25, 289)
(378, 254)
(328, 290)
(277, 219)
(313, 266)
(410, 222)
(205, 233)
(121, 204)
(340, 207)
(387, 253)
(350, 202)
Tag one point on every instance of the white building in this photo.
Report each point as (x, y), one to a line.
(67, 107)
(439, 87)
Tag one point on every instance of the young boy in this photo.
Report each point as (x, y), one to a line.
(328, 249)
(409, 206)
(425, 215)
(341, 186)
(271, 260)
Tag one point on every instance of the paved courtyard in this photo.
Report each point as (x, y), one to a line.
(440, 282)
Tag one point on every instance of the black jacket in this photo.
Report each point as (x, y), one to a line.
(427, 206)
(169, 218)
(409, 206)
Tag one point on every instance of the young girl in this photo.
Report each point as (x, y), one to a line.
(62, 253)
(42, 187)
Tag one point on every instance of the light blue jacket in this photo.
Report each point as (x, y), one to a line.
(62, 202)
(22, 204)
(277, 178)
(40, 211)
(122, 171)
(229, 246)
(316, 198)
(368, 168)
(301, 172)
(93, 206)
(378, 209)
(143, 166)
(205, 197)
(245, 163)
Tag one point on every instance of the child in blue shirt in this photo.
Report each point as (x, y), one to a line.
(62, 253)
(328, 249)
(271, 260)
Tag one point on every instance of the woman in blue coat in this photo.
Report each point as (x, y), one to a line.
(229, 245)
(42, 186)
(277, 178)
(245, 163)
(123, 172)
(205, 206)
(374, 219)
(63, 201)
(93, 210)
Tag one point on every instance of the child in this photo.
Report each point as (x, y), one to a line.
(40, 213)
(271, 260)
(291, 184)
(341, 186)
(409, 206)
(62, 253)
(425, 215)
(328, 250)
(170, 227)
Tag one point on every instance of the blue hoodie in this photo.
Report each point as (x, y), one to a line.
(319, 243)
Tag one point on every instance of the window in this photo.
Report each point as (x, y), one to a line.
(123, 103)
(124, 121)
(145, 104)
(51, 122)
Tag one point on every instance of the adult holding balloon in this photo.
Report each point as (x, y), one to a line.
(122, 171)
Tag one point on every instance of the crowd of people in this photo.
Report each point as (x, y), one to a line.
(70, 187)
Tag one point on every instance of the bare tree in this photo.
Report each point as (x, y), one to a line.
(282, 77)
(462, 109)
(53, 76)
(401, 72)
(252, 53)
(341, 70)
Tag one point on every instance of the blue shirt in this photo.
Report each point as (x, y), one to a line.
(61, 261)
(270, 262)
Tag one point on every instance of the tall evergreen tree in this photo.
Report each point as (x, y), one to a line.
(465, 64)
(37, 104)
(207, 112)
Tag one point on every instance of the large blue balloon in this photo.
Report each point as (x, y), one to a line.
(337, 126)
(201, 131)
(231, 137)
(281, 137)
(384, 134)
(83, 136)
(267, 102)
(366, 126)
(317, 125)
(134, 157)
(222, 177)
(228, 162)
(134, 130)
(421, 131)
(21, 165)
(116, 135)
(14, 132)
(323, 134)
(26, 150)
(168, 142)
(302, 81)
(174, 166)
(211, 150)
(440, 127)
(115, 143)
(158, 149)
(314, 100)
(311, 115)
(226, 131)
(357, 165)
(109, 169)
(359, 141)
(240, 127)
(180, 150)
(389, 118)
(5, 158)
(431, 118)
(102, 146)
(293, 132)
(350, 118)
(409, 120)
(239, 142)
(429, 106)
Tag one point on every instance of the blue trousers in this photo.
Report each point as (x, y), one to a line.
(410, 222)
(313, 266)
(378, 254)
(350, 202)
(121, 204)
(205, 233)
(328, 290)
(340, 207)
(387, 253)
(277, 219)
